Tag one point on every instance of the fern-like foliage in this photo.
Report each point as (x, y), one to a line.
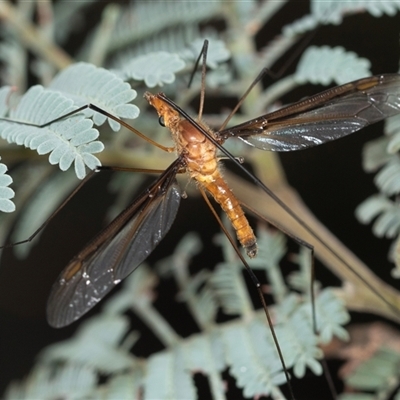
(72, 139)
(68, 141)
(6, 193)
(170, 23)
(378, 375)
(150, 44)
(332, 11)
(324, 65)
(46, 383)
(95, 345)
(84, 84)
(387, 222)
(4, 95)
(155, 69)
(243, 345)
(382, 155)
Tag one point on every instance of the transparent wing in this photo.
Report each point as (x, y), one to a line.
(115, 252)
(326, 116)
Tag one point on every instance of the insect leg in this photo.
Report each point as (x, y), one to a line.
(257, 284)
(390, 304)
(45, 223)
(310, 247)
(72, 194)
(101, 111)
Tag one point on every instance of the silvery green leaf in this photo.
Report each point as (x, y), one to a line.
(4, 93)
(155, 69)
(332, 12)
(85, 83)
(95, 345)
(217, 52)
(46, 382)
(252, 359)
(325, 65)
(6, 193)
(375, 153)
(388, 178)
(174, 381)
(39, 106)
(331, 315)
(385, 211)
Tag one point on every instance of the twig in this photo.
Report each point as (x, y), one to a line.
(356, 294)
(31, 38)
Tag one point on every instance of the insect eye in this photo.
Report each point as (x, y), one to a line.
(161, 121)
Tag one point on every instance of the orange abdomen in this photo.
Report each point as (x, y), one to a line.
(219, 189)
(201, 163)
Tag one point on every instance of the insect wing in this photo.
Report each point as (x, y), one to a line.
(114, 253)
(324, 117)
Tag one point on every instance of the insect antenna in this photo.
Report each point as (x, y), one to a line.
(263, 72)
(203, 56)
(268, 72)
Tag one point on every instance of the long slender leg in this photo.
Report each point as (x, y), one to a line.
(73, 193)
(310, 247)
(101, 111)
(257, 284)
(283, 205)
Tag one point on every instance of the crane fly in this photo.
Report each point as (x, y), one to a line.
(124, 244)
(130, 238)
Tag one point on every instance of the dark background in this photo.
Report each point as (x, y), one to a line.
(329, 178)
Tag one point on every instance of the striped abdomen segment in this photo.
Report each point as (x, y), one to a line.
(219, 189)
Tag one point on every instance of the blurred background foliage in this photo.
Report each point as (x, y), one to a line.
(169, 330)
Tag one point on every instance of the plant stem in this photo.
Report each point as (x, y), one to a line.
(32, 39)
(357, 295)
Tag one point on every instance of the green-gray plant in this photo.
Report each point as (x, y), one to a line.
(155, 44)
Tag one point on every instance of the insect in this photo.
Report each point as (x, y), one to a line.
(116, 251)
(123, 245)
